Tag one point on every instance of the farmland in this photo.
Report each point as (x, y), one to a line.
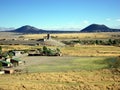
(60, 64)
(81, 67)
(56, 73)
(80, 50)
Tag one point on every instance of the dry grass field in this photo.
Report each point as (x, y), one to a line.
(83, 80)
(80, 50)
(99, 35)
(91, 50)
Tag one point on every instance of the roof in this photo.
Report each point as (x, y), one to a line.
(5, 62)
(16, 59)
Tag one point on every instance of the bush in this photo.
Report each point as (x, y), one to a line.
(113, 62)
(0, 50)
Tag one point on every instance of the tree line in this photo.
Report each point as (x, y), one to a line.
(95, 42)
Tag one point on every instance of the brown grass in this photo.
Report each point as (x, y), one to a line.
(97, 80)
(77, 35)
(91, 50)
(80, 50)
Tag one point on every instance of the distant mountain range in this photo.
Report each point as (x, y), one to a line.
(30, 29)
(91, 28)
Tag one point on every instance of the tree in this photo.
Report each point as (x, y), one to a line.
(57, 49)
(0, 50)
(113, 62)
(40, 50)
(45, 50)
(5, 55)
(0, 65)
(11, 54)
(50, 52)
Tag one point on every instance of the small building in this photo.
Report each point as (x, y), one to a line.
(18, 53)
(16, 62)
(7, 59)
(5, 63)
(8, 70)
(2, 72)
(34, 53)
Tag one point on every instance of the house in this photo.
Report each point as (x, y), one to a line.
(18, 53)
(2, 72)
(5, 63)
(16, 62)
(34, 53)
(7, 59)
(8, 70)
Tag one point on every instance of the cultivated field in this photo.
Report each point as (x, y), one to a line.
(79, 50)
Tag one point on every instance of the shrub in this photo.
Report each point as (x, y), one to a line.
(45, 50)
(113, 62)
(0, 50)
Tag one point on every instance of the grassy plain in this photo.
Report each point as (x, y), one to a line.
(61, 64)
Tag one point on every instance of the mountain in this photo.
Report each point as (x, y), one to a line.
(28, 29)
(99, 28)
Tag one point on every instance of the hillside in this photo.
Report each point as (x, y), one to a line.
(99, 28)
(28, 29)
(91, 28)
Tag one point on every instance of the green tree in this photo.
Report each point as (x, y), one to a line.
(110, 42)
(113, 62)
(5, 55)
(50, 52)
(10, 54)
(0, 50)
(40, 50)
(57, 49)
(45, 50)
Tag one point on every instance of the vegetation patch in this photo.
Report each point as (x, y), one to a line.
(62, 64)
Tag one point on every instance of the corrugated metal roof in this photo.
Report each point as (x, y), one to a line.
(5, 62)
(16, 59)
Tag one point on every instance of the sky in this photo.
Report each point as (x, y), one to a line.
(59, 14)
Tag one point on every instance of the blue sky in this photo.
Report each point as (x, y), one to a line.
(59, 14)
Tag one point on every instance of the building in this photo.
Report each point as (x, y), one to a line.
(16, 62)
(8, 70)
(6, 64)
(18, 53)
